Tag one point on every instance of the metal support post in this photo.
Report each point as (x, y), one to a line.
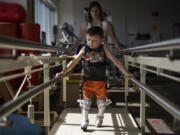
(64, 86)
(46, 100)
(126, 85)
(142, 100)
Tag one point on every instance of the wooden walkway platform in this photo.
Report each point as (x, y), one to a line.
(116, 122)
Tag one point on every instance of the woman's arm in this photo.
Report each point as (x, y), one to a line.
(81, 35)
(117, 62)
(111, 33)
(72, 63)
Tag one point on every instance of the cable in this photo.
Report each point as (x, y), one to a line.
(20, 88)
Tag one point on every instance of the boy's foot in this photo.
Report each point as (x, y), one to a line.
(99, 121)
(84, 124)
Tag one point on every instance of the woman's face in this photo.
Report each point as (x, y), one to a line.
(95, 13)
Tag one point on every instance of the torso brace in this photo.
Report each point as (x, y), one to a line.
(94, 64)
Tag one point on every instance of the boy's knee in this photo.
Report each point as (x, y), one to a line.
(101, 103)
(86, 103)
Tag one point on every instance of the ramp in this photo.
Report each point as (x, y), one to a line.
(116, 122)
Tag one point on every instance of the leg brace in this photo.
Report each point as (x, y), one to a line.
(85, 105)
(101, 103)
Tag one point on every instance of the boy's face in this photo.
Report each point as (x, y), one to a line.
(94, 41)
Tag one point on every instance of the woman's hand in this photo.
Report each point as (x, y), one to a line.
(70, 51)
(118, 48)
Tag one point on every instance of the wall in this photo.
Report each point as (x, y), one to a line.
(21, 2)
(65, 11)
(127, 16)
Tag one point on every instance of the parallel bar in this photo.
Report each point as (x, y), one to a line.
(9, 65)
(159, 46)
(9, 77)
(13, 105)
(162, 101)
(14, 43)
(160, 62)
(162, 74)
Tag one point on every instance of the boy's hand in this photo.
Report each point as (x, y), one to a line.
(59, 75)
(129, 76)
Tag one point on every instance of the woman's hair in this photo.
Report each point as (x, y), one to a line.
(92, 5)
(95, 30)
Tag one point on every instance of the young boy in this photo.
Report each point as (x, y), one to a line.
(94, 56)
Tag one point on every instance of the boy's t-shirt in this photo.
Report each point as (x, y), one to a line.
(94, 64)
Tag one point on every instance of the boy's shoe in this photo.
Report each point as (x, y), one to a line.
(99, 121)
(84, 124)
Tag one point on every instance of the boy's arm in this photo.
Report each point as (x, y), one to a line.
(117, 62)
(72, 63)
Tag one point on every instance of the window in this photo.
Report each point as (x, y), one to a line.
(46, 17)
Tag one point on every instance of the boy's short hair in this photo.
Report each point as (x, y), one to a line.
(95, 30)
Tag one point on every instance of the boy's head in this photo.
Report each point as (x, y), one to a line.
(94, 36)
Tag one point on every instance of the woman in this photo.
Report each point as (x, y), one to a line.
(95, 18)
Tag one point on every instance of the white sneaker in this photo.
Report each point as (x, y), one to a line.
(99, 121)
(84, 124)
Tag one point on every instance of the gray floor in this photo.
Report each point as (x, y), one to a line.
(116, 122)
